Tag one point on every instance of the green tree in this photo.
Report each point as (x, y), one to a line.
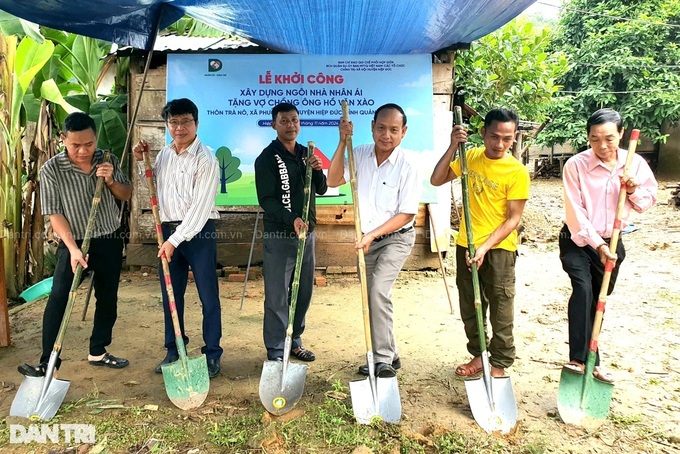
(511, 68)
(229, 168)
(624, 55)
(188, 26)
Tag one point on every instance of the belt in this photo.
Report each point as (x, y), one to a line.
(404, 230)
(173, 223)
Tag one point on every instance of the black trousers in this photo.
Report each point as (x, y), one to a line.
(586, 272)
(105, 260)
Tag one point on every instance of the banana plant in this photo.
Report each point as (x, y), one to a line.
(78, 66)
(21, 62)
(24, 53)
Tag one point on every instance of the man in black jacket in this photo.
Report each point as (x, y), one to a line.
(279, 179)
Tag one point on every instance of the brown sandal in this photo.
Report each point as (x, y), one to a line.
(603, 375)
(469, 369)
(575, 367)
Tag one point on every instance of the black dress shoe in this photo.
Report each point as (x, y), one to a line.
(384, 370)
(33, 371)
(396, 365)
(213, 368)
(169, 358)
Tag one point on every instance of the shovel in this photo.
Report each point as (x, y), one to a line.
(186, 380)
(492, 400)
(373, 398)
(41, 397)
(283, 382)
(582, 399)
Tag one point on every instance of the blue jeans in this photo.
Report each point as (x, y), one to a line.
(201, 255)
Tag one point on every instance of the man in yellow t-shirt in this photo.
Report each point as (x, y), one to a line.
(499, 189)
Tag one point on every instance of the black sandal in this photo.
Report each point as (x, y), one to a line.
(111, 361)
(303, 354)
(33, 371)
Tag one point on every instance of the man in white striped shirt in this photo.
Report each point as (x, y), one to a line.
(187, 178)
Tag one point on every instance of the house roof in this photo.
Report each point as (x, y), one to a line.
(319, 27)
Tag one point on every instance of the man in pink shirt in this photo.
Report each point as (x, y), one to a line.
(592, 181)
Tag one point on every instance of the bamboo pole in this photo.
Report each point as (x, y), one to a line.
(439, 256)
(5, 340)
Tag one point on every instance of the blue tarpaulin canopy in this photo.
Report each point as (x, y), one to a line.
(320, 27)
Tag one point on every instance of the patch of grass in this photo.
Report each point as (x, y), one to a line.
(654, 381)
(132, 428)
(235, 433)
(624, 420)
(537, 447)
(4, 433)
(331, 426)
(451, 442)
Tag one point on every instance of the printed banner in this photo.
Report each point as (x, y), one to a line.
(236, 93)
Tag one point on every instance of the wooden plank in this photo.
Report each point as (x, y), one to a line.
(344, 215)
(441, 103)
(442, 78)
(235, 254)
(155, 79)
(327, 254)
(151, 105)
(233, 228)
(238, 227)
(5, 340)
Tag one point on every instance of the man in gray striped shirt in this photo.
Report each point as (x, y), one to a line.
(187, 178)
(67, 183)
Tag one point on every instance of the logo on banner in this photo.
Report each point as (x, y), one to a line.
(214, 65)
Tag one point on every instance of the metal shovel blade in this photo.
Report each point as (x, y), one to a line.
(583, 400)
(389, 403)
(279, 393)
(187, 382)
(502, 415)
(26, 403)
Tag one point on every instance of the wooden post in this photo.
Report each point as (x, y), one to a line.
(517, 149)
(4, 315)
(439, 255)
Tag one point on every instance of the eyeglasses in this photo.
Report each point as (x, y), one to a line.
(174, 124)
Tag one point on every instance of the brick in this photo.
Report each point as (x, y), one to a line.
(334, 270)
(255, 272)
(227, 270)
(191, 275)
(237, 277)
(320, 281)
(349, 270)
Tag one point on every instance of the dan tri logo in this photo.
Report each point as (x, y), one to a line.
(214, 65)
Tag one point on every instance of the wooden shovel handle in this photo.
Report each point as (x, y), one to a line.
(148, 172)
(359, 234)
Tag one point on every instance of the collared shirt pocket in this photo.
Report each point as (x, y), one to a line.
(387, 197)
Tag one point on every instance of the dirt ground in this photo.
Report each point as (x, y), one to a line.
(639, 343)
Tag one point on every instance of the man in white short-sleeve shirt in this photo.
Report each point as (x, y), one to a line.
(389, 190)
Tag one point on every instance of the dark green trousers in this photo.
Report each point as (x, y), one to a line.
(497, 288)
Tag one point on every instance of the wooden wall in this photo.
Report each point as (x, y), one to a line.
(334, 233)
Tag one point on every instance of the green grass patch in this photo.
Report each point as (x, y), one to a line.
(624, 420)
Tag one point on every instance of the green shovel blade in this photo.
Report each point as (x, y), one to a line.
(187, 382)
(583, 400)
